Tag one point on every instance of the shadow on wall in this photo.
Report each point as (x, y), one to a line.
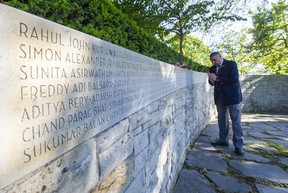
(264, 93)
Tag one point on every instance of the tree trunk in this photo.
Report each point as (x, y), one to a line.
(181, 45)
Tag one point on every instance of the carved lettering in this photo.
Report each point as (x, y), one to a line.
(79, 44)
(40, 130)
(41, 34)
(36, 72)
(42, 110)
(51, 143)
(35, 53)
(43, 91)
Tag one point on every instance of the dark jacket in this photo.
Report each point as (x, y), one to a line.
(227, 90)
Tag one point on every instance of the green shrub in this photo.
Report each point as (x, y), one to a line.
(101, 19)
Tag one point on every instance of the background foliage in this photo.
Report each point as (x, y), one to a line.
(259, 46)
(178, 18)
(100, 18)
(162, 29)
(270, 34)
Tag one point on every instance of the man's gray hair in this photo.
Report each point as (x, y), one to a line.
(215, 54)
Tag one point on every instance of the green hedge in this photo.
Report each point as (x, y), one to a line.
(100, 18)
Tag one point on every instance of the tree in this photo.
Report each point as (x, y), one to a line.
(179, 17)
(182, 19)
(234, 47)
(270, 37)
(194, 49)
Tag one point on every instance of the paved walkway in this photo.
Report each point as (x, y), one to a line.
(262, 169)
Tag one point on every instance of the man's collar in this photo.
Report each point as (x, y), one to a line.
(221, 62)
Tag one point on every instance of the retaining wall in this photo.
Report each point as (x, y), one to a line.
(263, 93)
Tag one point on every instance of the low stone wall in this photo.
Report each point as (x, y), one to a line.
(262, 93)
(142, 153)
(81, 115)
(156, 143)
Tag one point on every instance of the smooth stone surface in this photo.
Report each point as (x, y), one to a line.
(267, 189)
(190, 181)
(262, 127)
(206, 159)
(262, 171)
(278, 133)
(250, 139)
(279, 125)
(280, 142)
(228, 183)
(259, 135)
(247, 155)
(264, 147)
(211, 130)
(204, 146)
(284, 161)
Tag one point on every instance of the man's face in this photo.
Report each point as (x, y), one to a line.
(216, 60)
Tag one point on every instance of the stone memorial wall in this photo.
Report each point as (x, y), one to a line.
(265, 93)
(62, 91)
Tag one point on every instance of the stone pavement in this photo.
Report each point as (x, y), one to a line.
(262, 169)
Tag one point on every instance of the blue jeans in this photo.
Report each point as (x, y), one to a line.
(223, 123)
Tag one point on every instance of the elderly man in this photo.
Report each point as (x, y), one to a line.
(224, 76)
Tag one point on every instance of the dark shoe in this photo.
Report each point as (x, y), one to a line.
(239, 151)
(218, 143)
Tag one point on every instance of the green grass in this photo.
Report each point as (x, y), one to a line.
(282, 151)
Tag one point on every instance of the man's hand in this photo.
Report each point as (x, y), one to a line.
(212, 77)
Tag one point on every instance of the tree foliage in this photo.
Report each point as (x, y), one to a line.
(186, 17)
(270, 37)
(234, 47)
(194, 49)
(148, 14)
(182, 19)
(100, 18)
(179, 17)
